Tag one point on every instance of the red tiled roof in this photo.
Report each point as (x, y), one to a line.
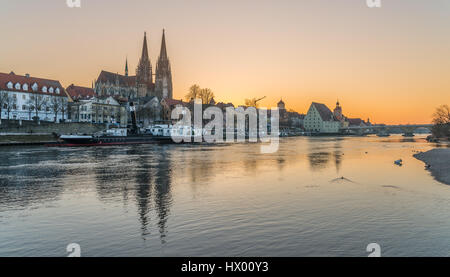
(324, 112)
(76, 92)
(355, 121)
(174, 102)
(5, 78)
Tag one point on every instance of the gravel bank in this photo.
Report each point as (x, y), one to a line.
(438, 161)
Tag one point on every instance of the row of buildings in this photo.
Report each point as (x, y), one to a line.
(320, 119)
(23, 97)
(151, 91)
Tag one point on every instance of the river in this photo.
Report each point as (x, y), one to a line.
(314, 197)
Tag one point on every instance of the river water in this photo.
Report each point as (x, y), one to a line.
(224, 200)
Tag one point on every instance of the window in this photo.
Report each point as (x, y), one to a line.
(24, 108)
(10, 85)
(51, 90)
(57, 91)
(17, 86)
(44, 89)
(25, 87)
(24, 97)
(34, 87)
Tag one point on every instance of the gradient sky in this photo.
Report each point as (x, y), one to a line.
(391, 64)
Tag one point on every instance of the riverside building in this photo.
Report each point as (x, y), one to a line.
(27, 98)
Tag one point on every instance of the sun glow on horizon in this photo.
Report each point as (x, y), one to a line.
(391, 64)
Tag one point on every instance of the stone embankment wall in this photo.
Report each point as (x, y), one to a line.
(31, 127)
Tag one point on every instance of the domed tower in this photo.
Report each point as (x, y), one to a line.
(281, 105)
(338, 111)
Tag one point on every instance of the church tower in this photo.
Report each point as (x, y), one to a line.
(144, 78)
(338, 112)
(163, 79)
(126, 67)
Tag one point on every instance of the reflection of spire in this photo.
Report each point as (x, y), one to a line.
(163, 197)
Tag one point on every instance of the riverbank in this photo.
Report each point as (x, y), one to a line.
(438, 163)
(26, 139)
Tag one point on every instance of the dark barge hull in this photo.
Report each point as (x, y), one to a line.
(111, 141)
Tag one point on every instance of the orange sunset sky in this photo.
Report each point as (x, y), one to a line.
(389, 64)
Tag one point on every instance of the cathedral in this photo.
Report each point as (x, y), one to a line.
(142, 85)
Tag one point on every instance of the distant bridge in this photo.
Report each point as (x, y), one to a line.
(408, 130)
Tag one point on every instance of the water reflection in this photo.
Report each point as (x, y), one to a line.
(133, 200)
(319, 157)
(28, 178)
(147, 174)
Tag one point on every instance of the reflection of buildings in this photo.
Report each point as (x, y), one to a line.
(319, 158)
(150, 178)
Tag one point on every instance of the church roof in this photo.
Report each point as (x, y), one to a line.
(105, 77)
(77, 92)
(324, 112)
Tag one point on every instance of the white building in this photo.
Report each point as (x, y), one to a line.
(320, 119)
(99, 110)
(25, 97)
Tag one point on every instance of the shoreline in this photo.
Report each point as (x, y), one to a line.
(437, 161)
(17, 139)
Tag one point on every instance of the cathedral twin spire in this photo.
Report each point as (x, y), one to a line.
(163, 75)
(144, 70)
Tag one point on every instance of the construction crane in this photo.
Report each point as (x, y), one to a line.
(253, 102)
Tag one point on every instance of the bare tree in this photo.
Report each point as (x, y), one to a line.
(206, 95)
(10, 103)
(3, 97)
(441, 120)
(194, 93)
(39, 104)
(55, 106)
(30, 107)
(442, 115)
(64, 106)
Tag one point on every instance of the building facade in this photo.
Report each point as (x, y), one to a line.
(99, 110)
(141, 85)
(31, 98)
(320, 119)
(86, 106)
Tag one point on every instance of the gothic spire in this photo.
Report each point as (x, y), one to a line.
(145, 48)
(163, 54)
(126, 67)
